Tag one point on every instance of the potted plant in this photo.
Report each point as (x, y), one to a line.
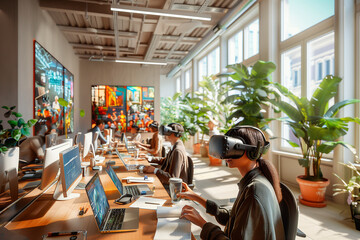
(317, 127)
(352, 188)
(249, 93)
(9, 150)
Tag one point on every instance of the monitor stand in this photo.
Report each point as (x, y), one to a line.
(59, 194)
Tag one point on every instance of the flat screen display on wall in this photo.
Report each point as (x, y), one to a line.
(51, 82)
(121, 107)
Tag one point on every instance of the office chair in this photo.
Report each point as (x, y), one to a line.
(191, 173)
(289, 213)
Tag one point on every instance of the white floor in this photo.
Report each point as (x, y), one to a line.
(219, 183)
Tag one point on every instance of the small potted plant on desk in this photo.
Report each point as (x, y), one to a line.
(9, 150)
(352, 188)
(317, 127)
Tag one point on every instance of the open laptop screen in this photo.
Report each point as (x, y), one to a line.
(115, 179)
(97, 198)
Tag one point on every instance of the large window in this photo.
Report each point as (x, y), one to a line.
(178, 84)
(244, 44)
(209, 64)
(298, 15)
(187, 77)
(311, 57)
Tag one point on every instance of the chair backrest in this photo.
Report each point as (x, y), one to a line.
(191, 172)
(289, 212)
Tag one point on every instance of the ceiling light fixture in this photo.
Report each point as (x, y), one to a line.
(160, 12)
(105, 59)
(141, 62)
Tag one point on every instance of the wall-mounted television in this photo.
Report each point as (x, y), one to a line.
(51, 82)
(121, 107)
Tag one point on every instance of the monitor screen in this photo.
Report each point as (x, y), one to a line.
(51, 163)
(50, 140)
(87, 143)
(70, 166)
(114, 178)
(97, 198)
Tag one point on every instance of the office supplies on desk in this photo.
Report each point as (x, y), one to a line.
(72, 235)
(139, 179)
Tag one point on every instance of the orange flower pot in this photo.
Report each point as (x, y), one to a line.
(196, 148)
(312, 192)
(213, 161)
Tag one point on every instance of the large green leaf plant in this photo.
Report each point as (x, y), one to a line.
(314, 123)
(18, 129)
(250, 90)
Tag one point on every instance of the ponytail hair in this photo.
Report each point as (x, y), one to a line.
(252, 136)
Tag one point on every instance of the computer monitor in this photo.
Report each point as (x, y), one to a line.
(87, 143)
(51, 163)
(70, 174)
(50, 140)
(77, 138)
(95, 141)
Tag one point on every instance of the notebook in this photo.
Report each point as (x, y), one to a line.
(107, 219)
(135, 190)
(129, 167)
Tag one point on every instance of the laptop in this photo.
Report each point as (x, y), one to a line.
(129, 167)
(109, 220)
(134, 190)
(129, 148)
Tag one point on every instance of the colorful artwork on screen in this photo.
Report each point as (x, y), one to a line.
(51, 82)
(121, 107)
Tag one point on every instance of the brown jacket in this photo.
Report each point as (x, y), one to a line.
(255, 214)
(175, 164)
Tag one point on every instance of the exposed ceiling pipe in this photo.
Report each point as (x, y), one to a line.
(218, 30)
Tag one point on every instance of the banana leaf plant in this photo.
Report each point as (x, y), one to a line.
(209, 103)
(314, 123)
(175, 110)
(10, 137)
(249, 93)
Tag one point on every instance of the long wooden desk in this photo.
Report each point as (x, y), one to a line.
(47, 215)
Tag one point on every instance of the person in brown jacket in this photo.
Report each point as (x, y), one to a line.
(155, 145)
(256, 211)
(175, 164)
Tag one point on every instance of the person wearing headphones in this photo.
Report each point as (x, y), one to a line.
(175, 164)
(100, 125)
(154, 147)
(256, 211)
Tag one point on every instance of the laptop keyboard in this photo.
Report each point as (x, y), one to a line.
(116, 219)
(133, 190)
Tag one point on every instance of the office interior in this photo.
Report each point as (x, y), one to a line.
(173, 54)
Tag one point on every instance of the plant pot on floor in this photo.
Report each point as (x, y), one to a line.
(312, 192)
(203, 151)
(9, 165)
(196, 148)
(213, 161)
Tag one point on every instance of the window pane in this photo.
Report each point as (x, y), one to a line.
(178, 86)
(214, 62)
(320, 60)
(202, 68)
(291, 79)
(251, 39)
(235, 48)
(298, 15)
(187, 79)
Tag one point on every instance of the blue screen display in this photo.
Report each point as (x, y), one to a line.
(72, 165)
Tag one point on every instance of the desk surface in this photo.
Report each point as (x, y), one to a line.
(47, 215)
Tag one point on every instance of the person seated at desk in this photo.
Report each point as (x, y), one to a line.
(135, 135)
(33, 148)
(154, 147)
(256, 211)
(175, 164)
(99, 127)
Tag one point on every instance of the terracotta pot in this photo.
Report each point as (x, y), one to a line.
(312, 192)
(213, 161)
(203, 151)
(196, 148)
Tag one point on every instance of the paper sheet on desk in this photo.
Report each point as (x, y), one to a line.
(139, 180)
(148, 203)
(169, 225)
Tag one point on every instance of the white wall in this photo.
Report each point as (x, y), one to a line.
(167, 86)
(34, 23)
(108, 73)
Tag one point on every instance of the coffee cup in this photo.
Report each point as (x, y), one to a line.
(175, 185)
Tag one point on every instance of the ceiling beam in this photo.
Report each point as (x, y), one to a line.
(80, 30)
(134, 58)
(175, 38)
(99, 47)
(96, 10)
(192, 7)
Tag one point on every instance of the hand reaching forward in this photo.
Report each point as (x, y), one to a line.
(192, 215)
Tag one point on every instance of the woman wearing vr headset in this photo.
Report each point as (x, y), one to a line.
(154, 147)
(256, 212)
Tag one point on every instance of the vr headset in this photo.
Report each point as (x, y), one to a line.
(226, 147)
(153, 125)
(167, 131)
